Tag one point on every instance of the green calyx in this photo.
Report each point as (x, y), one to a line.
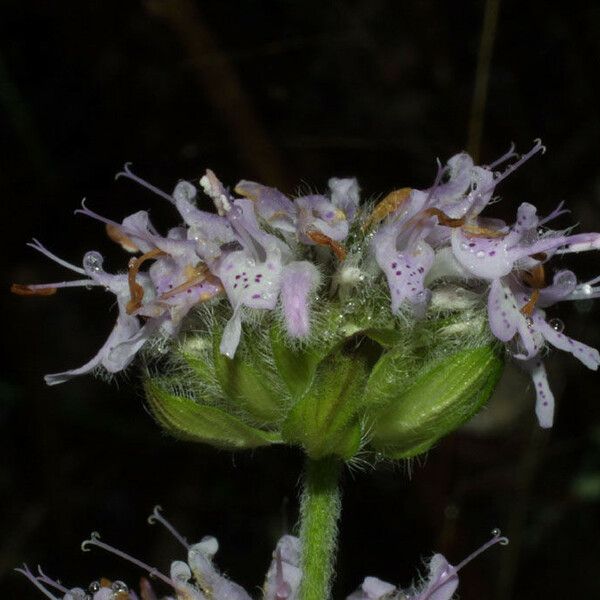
(358, 384)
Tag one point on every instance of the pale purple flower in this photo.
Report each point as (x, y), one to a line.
(440, 584)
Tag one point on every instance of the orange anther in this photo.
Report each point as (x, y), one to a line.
(536, 279)
(527, 309)
(391, 203)
(26, 290)
(115, 233)
(481, 232)
(443, 218)
(136, 291)
(324, 240)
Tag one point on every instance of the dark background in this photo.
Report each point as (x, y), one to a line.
(289, 93)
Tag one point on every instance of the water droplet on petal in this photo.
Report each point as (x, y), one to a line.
(94, 587)
(480, 254)
(566, 279)
(119, 586)
(92, 261)
(556, 324)
(529, 322)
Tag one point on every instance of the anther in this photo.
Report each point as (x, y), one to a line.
(136, 291)
(115, 233)
(324, 240)
(391, 203)
(30, 290)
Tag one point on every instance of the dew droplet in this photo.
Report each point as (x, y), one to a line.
(586, 289)
(119, 586)
(496, 532)
(92, 261)
(565, 279)
(94, 587)
(480, 254)
(556, 324)
(529, 322)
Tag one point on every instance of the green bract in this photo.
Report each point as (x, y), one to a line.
(361, 382)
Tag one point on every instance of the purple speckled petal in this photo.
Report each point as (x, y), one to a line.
(544, 405)
(405, 270)
(299, 279)
(487, 258)
(345, 194)
(506, 319)
(586, 354)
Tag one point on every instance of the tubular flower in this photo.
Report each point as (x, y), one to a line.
(332, 324)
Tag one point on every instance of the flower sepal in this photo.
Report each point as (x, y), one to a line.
(186, 419)
(442, 395)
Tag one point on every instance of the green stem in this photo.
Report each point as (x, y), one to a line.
(320, 509)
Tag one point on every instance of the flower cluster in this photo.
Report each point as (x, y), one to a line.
(199, 579)
(263, 253)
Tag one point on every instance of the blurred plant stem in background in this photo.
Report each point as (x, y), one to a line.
(482, 78)
(220, 82)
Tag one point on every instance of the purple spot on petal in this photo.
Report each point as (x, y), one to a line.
(492, 253)
(255, 296)
(398, 272)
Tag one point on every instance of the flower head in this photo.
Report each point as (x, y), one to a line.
(275, 305)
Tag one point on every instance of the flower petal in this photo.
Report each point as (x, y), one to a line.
(544, 405)
(299, 279)
(345, 194)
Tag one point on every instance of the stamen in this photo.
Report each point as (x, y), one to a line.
(391, 203)
(25, 571)
(47, 580)
(47, 289)
(115, 233)
(157, 517)
(536, 148)
(497, 538)
(536, 279)
(197, 275)
(37, 245)
(443, 218)
(152, 571)
(136, 291)
(324, 240)
(436, 182)
(126, 172)
(484, 232)
(21, 289)
(507, 156)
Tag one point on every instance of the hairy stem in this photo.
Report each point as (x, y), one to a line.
(320, 509)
